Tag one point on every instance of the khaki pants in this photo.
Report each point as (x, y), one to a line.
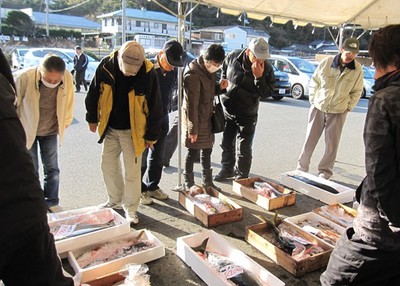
(121, 189)
(317, 122)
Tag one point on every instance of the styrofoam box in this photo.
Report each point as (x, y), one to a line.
(122, 226)
(345, 195)
(94, 272)
(219, 245)
(295, 220)
(65, 214)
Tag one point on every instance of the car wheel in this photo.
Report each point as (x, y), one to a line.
(364, 93)
(277, 97)
(297, 91)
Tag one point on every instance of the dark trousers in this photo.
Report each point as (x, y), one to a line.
(49, 155)
(237, 140)
(80, 79)
(193, 154)
(152, 160)
(353, 262)
(171, 142)
(30, 258)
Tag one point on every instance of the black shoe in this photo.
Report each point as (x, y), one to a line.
(166, 164)
(85, 88)
(223, 176)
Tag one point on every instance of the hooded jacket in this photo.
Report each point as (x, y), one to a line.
(378, 216)
(145, 107)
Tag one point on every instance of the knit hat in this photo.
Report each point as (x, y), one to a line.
(132, 57)
(260, 48)
(351, 45)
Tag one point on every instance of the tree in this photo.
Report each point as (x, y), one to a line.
(21, 22)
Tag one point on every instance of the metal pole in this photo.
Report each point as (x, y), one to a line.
(190, 28)
(1, 2)
(123, 39)
(47, 18)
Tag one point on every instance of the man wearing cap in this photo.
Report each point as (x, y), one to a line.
(335, 89)
(124, 105)
(251, 78)
(81, 62)
(152, 160)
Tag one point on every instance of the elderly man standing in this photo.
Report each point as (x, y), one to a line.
(124, 104)
(152, 160)
(251, 78)
(335, 89)
(45, 104)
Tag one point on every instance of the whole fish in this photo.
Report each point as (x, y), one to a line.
(232, 271)
(78, 229)
(266, 186)
(315, 183)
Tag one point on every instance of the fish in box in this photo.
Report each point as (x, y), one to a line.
(337, 213)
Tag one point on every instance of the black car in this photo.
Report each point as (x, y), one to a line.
(282, 85)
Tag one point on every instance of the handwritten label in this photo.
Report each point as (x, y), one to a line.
(230, 271)
(64, 231)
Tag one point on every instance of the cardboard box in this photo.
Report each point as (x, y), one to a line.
(297, 268)
(122, 226)
(311, 216)
(111, 279)
(243, 187)
(345, 194)
(219, 245)
(94, 272)
(211, 220)
(346, 221)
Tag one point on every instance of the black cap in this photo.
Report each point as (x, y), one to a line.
(173, 51)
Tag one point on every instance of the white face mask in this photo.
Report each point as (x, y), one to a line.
(50, 85)
(212, 69)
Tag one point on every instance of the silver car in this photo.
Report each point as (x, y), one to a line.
(368, 83)
(299, 71)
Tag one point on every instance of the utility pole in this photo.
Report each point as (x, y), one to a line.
(47, 18)
(1, 2)
(123, 39)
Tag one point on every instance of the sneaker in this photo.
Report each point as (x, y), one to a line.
(132, 217)
(111, 205)
(223, 176)
(55, 209)
(324, 176)
(158, 194)
(145, 199)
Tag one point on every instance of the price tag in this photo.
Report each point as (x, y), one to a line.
(64, 231)
(230, 271)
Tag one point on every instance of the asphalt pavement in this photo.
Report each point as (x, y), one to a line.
(279, 137)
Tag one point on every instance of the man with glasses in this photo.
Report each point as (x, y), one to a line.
(335, 89)
(251, 78)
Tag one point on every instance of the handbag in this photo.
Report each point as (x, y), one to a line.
(218, 118)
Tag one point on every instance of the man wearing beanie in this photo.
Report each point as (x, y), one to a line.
(335, 89)
(251, 78)
(124, 105)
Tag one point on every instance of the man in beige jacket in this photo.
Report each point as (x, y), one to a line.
(335, 89)
(45, 102)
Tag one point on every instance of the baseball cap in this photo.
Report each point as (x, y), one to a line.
(351, 45)
(260, 48)
(131, 57)
(173, 51)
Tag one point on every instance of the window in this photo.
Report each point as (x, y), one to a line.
(176, 27)
(156, 25)
(146, 24)
(112, 22)
(159, 42)
(164, 26)
(230, 36)
(138, 24)
(119, 21)
(145, 42)
(105, 22)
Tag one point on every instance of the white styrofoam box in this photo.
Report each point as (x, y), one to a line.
(122, 226)
(219, 245)
(345, 194)
(94, 272)
(65, 214)
(295, 220)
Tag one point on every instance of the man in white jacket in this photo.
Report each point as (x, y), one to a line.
(45, 102)
(335, 89)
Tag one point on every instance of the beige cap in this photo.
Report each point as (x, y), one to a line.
(260, 48)
(131, 57)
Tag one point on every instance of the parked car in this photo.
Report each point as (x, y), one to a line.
(35, 55)
(282, 84)
(299, 72)
(17, 58)
(368, 83)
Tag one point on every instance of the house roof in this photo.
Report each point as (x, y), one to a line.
(142, 14)
(65, 21)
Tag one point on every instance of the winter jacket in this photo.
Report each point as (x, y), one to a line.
(199, 90)
(244, 91)
(378, 215)
(28, 95)
(332, 91)
(81, 62)
(145, 106)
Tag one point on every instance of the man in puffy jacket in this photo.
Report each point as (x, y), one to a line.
(124, 104)
(335, 89)
(369, 252)
(251, 78)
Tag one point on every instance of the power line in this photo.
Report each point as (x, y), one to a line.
(69, 8)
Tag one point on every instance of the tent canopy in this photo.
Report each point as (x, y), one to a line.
(368, 14)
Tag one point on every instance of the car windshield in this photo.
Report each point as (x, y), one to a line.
(368, 74)
(22, 52)
(303, 65)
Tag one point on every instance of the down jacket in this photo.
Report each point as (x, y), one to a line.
(145, 105)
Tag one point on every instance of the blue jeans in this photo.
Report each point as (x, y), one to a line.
(152, 160)
(49, 156)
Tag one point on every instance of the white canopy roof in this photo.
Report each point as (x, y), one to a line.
(369, 14)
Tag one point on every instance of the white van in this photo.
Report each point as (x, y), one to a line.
(299, 71)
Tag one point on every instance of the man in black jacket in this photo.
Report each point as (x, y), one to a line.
(251, 78)
(369, 252)
(81, 62)
(28, 254)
